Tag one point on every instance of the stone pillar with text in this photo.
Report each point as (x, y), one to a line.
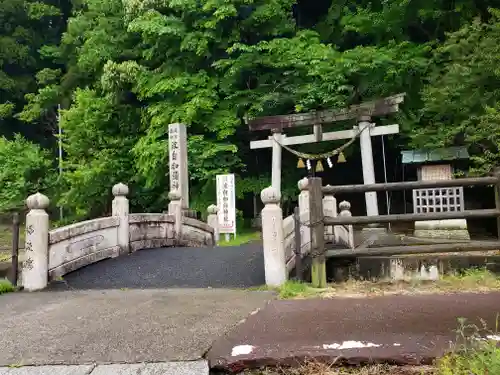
(273, 238)
(35, 273)
(178, 162)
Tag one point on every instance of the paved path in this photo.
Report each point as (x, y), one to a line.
(397, 329)
(118, 326)
(218, 267)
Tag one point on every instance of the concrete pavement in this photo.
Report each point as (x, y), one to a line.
(395, 329)
(162, 368)
(118, 326)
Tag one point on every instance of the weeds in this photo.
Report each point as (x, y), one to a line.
(475, 352)
(314, 368)
(6, 286)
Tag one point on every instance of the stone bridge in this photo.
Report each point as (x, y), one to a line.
(51, 254)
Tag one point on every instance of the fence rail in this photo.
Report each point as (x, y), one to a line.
(416, 249)
(469, 214)
(408, 185)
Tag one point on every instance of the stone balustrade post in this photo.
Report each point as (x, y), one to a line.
(120, 208)
(330, 209)
(35, 272)
(273, 238)
(304, 215)
(345, 211)
(213, 221)
(175, 209)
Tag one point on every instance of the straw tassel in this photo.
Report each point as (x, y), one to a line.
(341, 158)
(319, 166)
(300, 163)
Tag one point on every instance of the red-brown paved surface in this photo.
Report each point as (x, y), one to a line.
(406, 330)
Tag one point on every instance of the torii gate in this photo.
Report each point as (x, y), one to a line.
(362, 112)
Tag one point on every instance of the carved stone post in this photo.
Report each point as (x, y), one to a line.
(330, 209)
(35, 274)
(272, 238)
(213, 221)
(305, 230)
(345, 211)
(175, 208)
(120, 208)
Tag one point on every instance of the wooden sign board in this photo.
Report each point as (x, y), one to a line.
(373, 108)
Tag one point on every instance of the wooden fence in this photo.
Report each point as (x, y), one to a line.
(431, 248)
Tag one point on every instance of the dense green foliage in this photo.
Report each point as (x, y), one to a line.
(124, 69)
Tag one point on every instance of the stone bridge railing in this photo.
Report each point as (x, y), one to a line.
(54, 253)
(278, 233)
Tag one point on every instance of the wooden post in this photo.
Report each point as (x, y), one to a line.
(497, 198)
(298, 244)
(15, 248)
(318, 269)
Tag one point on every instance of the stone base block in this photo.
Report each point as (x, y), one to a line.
(407, 268)
(446, 229)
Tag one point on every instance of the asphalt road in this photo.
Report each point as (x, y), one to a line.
(218, 267)
(393, 329)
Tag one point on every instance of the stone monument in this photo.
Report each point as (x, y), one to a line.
(178, 162)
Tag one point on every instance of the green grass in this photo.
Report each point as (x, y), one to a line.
(6, 286)
(241, 239)
(291, 290)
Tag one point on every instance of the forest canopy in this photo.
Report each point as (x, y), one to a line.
(122, 70)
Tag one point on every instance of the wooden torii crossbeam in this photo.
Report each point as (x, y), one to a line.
(374, 108)
(362, 112)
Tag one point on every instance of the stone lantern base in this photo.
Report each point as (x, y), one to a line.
(455, 229)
